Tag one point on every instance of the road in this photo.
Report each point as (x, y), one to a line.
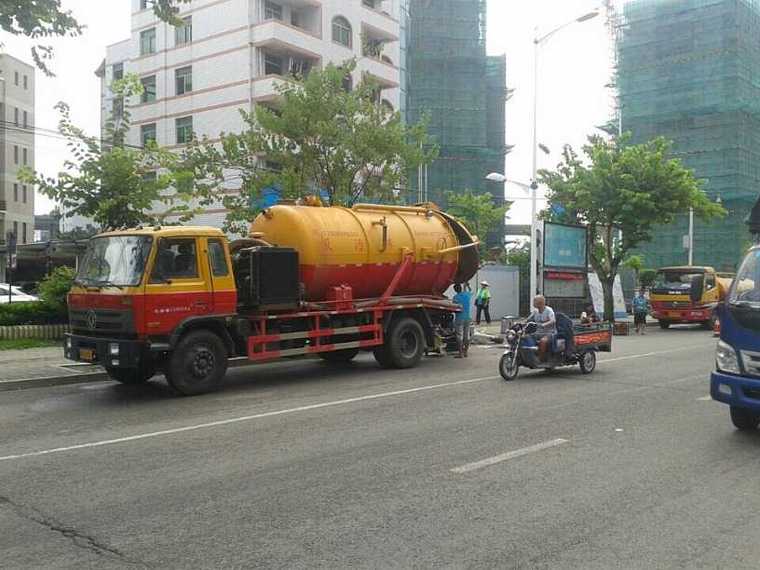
(300, 465)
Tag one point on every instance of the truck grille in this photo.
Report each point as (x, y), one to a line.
(674, 304)
(101, 322)
(751, 361)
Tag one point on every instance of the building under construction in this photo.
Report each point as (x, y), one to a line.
(689, 70)
(462, 91)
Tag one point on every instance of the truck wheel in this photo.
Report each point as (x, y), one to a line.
(405, 344)
(507, 371)
(710, 324)
(664, 325)
(131, 376)
(339, 356)
(743, 419)
(588, 362)
(197, 364)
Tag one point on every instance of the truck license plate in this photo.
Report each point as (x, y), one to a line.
(87, 354)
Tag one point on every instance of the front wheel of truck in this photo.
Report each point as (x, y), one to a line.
(743, 419)
(198, 363)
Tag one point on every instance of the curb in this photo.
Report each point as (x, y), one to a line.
(47, 381)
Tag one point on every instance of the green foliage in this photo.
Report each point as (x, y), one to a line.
(55, 287)
(38, 19)
(620, 187)
(46, 18)
(320, 137)
(519, 257)
(26, 343)
(114, 185)
(647, 277)
(479, 212)
(34, 313)
(634, 263)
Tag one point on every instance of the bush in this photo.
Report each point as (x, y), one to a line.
(647, 277)
(55, 287)
(35, 313)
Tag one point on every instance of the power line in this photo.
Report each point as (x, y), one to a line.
(49, 133)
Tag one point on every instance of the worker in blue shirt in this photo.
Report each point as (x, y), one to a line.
(462, 320)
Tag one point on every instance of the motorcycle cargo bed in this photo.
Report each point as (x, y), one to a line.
(597, 336)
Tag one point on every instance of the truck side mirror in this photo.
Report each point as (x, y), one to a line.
(697, 288)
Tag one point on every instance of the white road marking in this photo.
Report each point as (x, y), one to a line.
(707, 398)
(507, 456)
(244, 419)
(299, 409)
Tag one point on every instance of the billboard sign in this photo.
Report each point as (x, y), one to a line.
(565, 247)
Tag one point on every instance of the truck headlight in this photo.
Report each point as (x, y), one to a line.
(726, 359)
(113, 349)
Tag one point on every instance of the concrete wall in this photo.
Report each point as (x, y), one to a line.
(505, 290)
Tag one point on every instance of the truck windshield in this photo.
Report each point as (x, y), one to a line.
(674, 280)
(746, 286)
(115, 260)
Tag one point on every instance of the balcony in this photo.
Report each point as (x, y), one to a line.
(386, 75)
(304, 15)
(380, 18)
(276, 35)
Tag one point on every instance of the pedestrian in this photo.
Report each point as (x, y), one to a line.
(640, 312)
(483, 302)
(462, 319)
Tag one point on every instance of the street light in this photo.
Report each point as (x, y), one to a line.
(718, 201)
(537, 42)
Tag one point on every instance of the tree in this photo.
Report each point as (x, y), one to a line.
(114, 185)
(647, 277)
(55, 287)
(479, 212)
(622, 188)
(37, 19)
(320, 139)
(635, 263)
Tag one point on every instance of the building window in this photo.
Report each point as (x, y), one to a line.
(143, 4)
(272, 10)
(26, 82)
(26, 156)
(23, 233)
(15, 115)
(341, 31)
(149, 89)
(117, 109)
(15, 229)
(148, 134)
(184, 127)
(15, 78)
(26, 120)
(23, 193)
(118, 71)
(348, 83)
(184, 34)
(15, 154)
(300, 67)
(272, 64)
(15, 192)
(148, 41)
(184, 79)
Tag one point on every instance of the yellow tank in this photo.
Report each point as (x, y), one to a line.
(364, 246)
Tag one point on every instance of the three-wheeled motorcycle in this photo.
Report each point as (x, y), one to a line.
(577, 345)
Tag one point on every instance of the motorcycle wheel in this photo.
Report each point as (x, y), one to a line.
(588, 362)
(508, 371)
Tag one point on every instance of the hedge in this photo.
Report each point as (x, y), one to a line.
(35, 313)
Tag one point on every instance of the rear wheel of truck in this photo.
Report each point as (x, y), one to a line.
(744, 419)
(131, 376)
(664, 325)
(197, 364)
(405, 344)
(339, 356)
(709, 324)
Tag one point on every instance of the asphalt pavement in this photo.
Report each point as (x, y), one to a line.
(302, 465)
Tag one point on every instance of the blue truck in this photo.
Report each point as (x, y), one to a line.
(736, 380)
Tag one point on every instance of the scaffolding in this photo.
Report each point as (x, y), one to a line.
(461, 90)
(689, 70)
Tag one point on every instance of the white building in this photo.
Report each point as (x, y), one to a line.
(231, 54)
(16, 148)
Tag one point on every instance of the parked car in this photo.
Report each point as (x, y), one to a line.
(17, 295)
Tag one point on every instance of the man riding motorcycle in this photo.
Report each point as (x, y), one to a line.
(544, 317)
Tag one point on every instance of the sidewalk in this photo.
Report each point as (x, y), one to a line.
(39, 364)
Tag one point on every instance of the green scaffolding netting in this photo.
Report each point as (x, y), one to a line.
(461, 90)
(689, 70)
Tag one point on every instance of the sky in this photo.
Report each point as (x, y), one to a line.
(574, 69)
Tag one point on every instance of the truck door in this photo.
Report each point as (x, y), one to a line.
(179, 286)
(222, 279)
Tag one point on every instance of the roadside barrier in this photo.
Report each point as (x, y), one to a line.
(37, 332)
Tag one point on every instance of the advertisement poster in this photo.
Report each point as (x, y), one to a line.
(597, 295)
(564, 246)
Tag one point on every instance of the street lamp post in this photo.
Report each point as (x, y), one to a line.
(538, 41)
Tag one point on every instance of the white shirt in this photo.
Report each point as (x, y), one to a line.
(546, 316)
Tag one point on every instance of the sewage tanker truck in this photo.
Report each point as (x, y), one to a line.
(309, 280)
